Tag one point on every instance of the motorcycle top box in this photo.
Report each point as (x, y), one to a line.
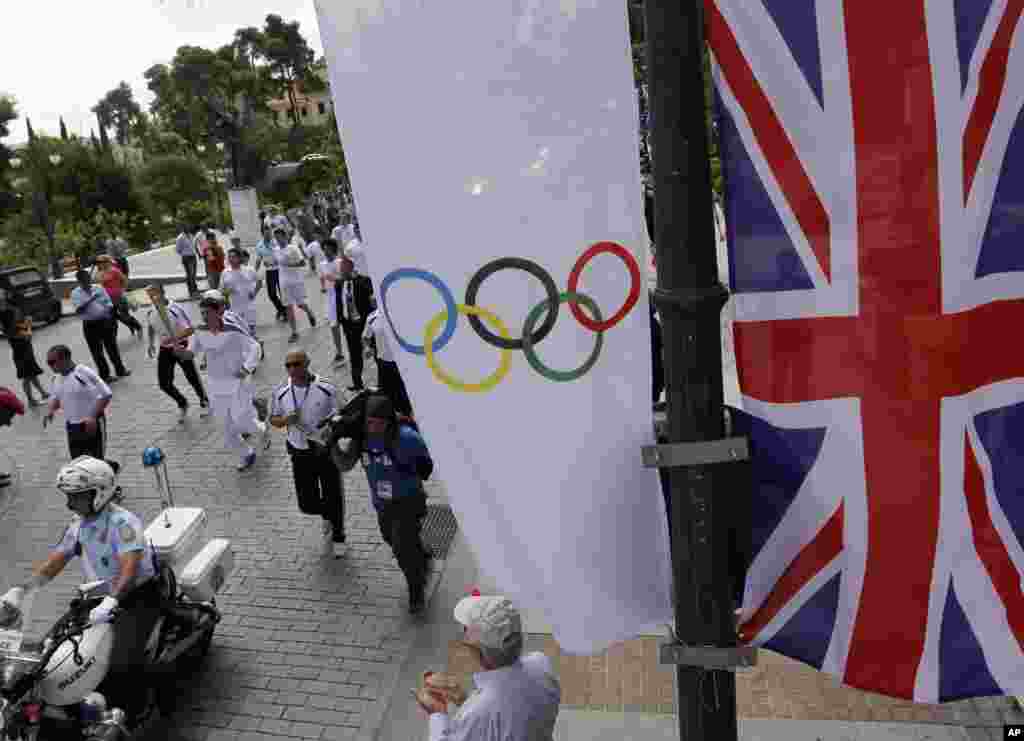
(177, 534)
(207, 572)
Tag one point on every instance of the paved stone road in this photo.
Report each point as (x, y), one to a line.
(310, 645)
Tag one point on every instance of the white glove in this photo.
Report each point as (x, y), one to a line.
(104, 612)
(13, 597)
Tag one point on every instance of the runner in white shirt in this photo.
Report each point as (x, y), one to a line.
(242, 284)
(389, 379)
(293, 286)
(301, 405)
(315, 256)
(84, 397)
(169, 322)
(330, 274)
(232, 356)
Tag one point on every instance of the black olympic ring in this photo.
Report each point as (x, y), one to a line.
(533, 269)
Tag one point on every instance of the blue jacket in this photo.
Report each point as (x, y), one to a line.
(395, 474)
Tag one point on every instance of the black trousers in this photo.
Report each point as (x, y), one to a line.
(99, 336)
(165, 362)
(354, 342)
(137, 616)
(390, 381)
(189, 263)
(82, 442)
(318, 487)
(274, 291)
(400, 522)
(124, 315)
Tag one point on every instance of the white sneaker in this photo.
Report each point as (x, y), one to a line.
(182, 414)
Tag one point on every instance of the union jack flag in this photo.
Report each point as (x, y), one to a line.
(874, 161)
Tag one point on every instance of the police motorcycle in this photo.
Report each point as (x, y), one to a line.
(54, 688)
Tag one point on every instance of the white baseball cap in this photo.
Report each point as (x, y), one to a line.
(490, 621)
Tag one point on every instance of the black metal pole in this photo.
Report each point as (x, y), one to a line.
(690, 301)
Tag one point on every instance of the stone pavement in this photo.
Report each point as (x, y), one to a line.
(309, 645)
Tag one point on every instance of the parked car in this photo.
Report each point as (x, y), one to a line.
(30, 291)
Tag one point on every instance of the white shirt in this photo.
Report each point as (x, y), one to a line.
(79, 392)
(240, 284)
(330, 269)
(176, 313)
(227, 353)
(289, 274)
(356, 251)
(314, 252)
(514, 703)
(377, 328)
(315, 402)
(343, 234)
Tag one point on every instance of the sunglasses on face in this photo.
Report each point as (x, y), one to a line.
(293, 364)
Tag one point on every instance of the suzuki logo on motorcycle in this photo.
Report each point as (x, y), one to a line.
(78, 673)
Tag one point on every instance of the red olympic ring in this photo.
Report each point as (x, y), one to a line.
(634, 291)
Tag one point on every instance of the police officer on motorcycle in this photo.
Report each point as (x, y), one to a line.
(113, 550)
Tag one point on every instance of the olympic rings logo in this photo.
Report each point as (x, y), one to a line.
(439, 330)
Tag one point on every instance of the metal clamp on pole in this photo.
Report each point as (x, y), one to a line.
(676, 455)
(708, 657)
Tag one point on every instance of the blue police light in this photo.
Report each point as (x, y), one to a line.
(152, 456)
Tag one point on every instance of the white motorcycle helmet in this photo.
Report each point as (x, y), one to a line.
(84, 474)
(67, 682)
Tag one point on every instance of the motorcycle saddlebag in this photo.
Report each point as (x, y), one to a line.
(205, 574)
(177, 534)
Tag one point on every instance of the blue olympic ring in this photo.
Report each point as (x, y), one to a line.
(449, 305)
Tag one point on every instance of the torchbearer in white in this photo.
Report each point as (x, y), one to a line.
(232, 356)
(241, 284)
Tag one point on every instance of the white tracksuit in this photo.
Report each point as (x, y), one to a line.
(227, 353)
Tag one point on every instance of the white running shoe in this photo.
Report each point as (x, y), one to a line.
(247, 460)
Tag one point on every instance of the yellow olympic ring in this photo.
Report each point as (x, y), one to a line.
(451, 381)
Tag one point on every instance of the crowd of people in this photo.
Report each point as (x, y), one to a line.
(326, 435)
(223, 342)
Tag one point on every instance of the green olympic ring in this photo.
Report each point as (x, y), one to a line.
(570, 297)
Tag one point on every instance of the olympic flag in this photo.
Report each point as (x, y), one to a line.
(493, 155)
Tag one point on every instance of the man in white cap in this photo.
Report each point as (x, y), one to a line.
(516, 697)
(232, 356)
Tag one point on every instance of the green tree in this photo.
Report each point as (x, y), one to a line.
(173, 181)
(119, 110)
(289, 60)
(8, 113)
(63, 130)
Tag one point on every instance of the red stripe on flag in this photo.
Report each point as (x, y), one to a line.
(990, 547)
(991, 81)
(771, 136)
(815, 556)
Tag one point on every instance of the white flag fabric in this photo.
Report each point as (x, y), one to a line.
(493, 152)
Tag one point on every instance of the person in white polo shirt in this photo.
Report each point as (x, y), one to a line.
(330, 275)
(170, 323)
(241, 284)
(231, 356)
(515, 697)
(301, 405)
(84, 397)
(290, 261)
